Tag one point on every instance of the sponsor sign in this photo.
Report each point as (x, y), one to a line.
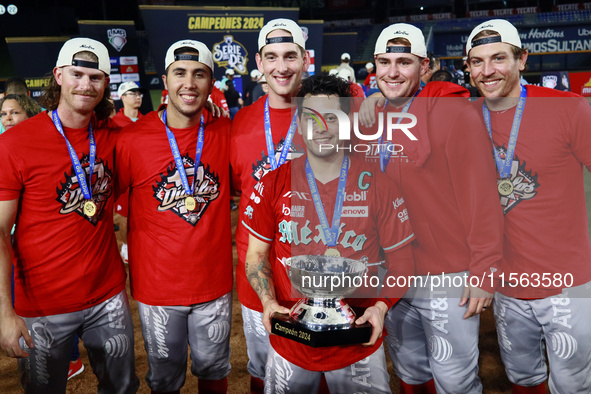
(534, 39)
(581, 83)
(230, 33)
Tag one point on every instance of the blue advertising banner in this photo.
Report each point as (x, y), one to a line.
(231, 33)
(121, 40)
(534, 39)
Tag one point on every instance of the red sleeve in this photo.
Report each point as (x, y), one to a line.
(12, 173)
(123, 165)
(366, 82)
(396, 235)
(577, 131)
(394, 228)
(236, 169)
(259, 217)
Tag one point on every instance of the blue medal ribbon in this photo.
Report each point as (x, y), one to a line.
(269, 138)
(504, 167)
(330, 233)
(178, 160)
(384, 152)
(80, 174)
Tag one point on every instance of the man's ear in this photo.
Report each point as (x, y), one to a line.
(164, 82)
(523, 60)
(57, 74)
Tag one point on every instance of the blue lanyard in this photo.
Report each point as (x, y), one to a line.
(330, 233)
(80, 174)
(504, 167)
(269, 137)
(384, 152)
(178, 160)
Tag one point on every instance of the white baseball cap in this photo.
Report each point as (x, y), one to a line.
(402, 30)
(255, 73)
(369, 65)
(507, 34)
(126, 87)
(204, 56)
(262, 79)
(345, 74)
(229, 72)
(345, 56)
(80, 44)
(297, 35)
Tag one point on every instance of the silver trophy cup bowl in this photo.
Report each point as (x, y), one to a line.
(324, 281)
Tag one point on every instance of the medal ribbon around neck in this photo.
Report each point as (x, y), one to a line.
(178, 160)
(80, 173)
(385, 154)
(504, 167)
(286, 142)
(330, 233)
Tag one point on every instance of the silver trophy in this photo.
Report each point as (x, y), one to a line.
(323, 318)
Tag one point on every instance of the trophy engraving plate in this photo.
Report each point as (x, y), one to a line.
(283, 325)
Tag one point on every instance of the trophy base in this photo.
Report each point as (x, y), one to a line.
(283, 325)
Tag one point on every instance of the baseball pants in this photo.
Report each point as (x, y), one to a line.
(557, 326)
(369, 375)
(107, 333)
(428, 338)
(257, 341)
(168, 330)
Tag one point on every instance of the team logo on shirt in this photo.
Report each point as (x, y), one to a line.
(170, 192)
(525, 183)
(263, 166)
(69, 193)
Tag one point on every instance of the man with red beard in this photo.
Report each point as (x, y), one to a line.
(541, 142)
(57, 183)
(262, 140)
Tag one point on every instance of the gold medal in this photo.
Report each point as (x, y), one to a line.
(190, 203)
(505, 187)
(89, 208)
(332, 252)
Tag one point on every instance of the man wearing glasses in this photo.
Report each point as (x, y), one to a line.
(131, 95)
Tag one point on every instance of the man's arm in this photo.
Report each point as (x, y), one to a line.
(12, 327)
(260, 276)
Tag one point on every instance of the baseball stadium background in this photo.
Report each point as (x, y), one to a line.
(137, 33)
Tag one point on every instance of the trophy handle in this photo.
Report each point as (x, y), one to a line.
(365, 260)
(288, 266)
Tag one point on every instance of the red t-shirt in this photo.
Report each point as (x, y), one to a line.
(121, 205)
(218, 98)
(546, 231)
(447, 178)
(357, 90)
(177, 257)
(370, 81)
(122, 120)
(374, 216)
(65, 261)
(250, 161)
